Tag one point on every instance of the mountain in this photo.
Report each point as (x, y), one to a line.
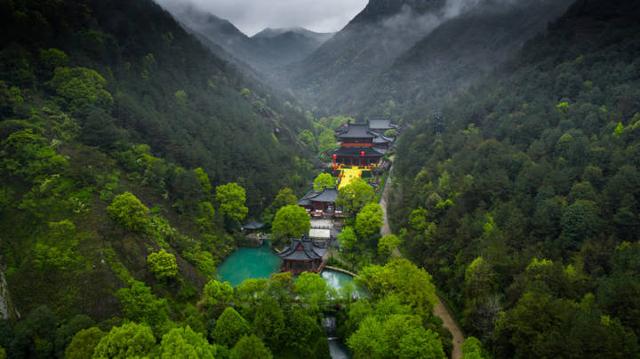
(116, 126)
(456, 54)
(268, 49)
(394, 55)
(523, 197)
(281, 47)
(367, 45)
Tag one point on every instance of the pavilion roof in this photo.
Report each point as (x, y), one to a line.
(303, 250)
(328, 195)
(355, 130)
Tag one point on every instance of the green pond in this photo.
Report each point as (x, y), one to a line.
(262, 262)
(248, 263)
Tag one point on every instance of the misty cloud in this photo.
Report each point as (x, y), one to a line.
(252, 16)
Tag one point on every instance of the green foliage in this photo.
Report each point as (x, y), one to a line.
(347, 239)
(3, 353)
(291, 221)
(230, 327)
(369, 221)
(313, 289)
(355, 195)
(127, 210)
(250, 347)
(217, 295)
(401, 277)
(472, 349)
(163, 264)
(130, 340)
(27, 154)
(139, 304)
(81, 87)
(232, 198)
(203, 178)
(323, 181)
(388, 244)
(84, 343)
(58, 249)
(185, 343)
(398, 336)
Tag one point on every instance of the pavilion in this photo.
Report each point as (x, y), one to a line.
(303, 255)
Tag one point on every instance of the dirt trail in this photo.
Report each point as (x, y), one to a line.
(439, 310)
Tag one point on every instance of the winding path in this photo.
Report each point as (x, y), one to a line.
(439, 310)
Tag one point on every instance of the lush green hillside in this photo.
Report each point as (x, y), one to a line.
(454, 56)
(116, 126)
(523, 199)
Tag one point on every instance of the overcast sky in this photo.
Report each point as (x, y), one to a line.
(252, 16)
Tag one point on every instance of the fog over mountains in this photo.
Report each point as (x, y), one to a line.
(388, 58)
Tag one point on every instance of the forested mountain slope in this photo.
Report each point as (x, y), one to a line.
(523, 199)
(454, 56)
(115, 126)
(368, 44)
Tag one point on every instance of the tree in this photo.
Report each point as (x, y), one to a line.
(369, 221)
(411, 284)
(80, 87)
(232, 198)
(323, 181)
(127, 210)
(141, 305)
(230, 327)
(347, 239)
(285, 197)
(163, 264)
(312, 289)
(388, 244)
(355, 195)
(250, 347)
(185, 343)
(127, 341)
(216, 295)
(84, 343)
(291, 221)
(395, 336)
(203, 178)
(472, 349)
(269, 323)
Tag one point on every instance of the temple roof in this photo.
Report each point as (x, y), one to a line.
(355, 152)
(380, 139)
(303, 250)
(253, 225)
(381, 125)
(328, 195)
(355, 130)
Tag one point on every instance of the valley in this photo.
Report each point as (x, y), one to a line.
(426, 179)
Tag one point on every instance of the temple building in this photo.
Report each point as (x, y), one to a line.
(320, 204)
(356, 146)
(381, 126)
(303, 255)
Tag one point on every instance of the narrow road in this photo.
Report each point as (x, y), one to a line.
(439, 310)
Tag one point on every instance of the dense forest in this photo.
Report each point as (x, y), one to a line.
(522, 197)
(133, 148)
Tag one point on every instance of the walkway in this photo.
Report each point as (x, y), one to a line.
(439, 310)
(349, 175)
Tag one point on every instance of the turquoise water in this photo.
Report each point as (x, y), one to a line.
(341, 282)
(247, 263)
